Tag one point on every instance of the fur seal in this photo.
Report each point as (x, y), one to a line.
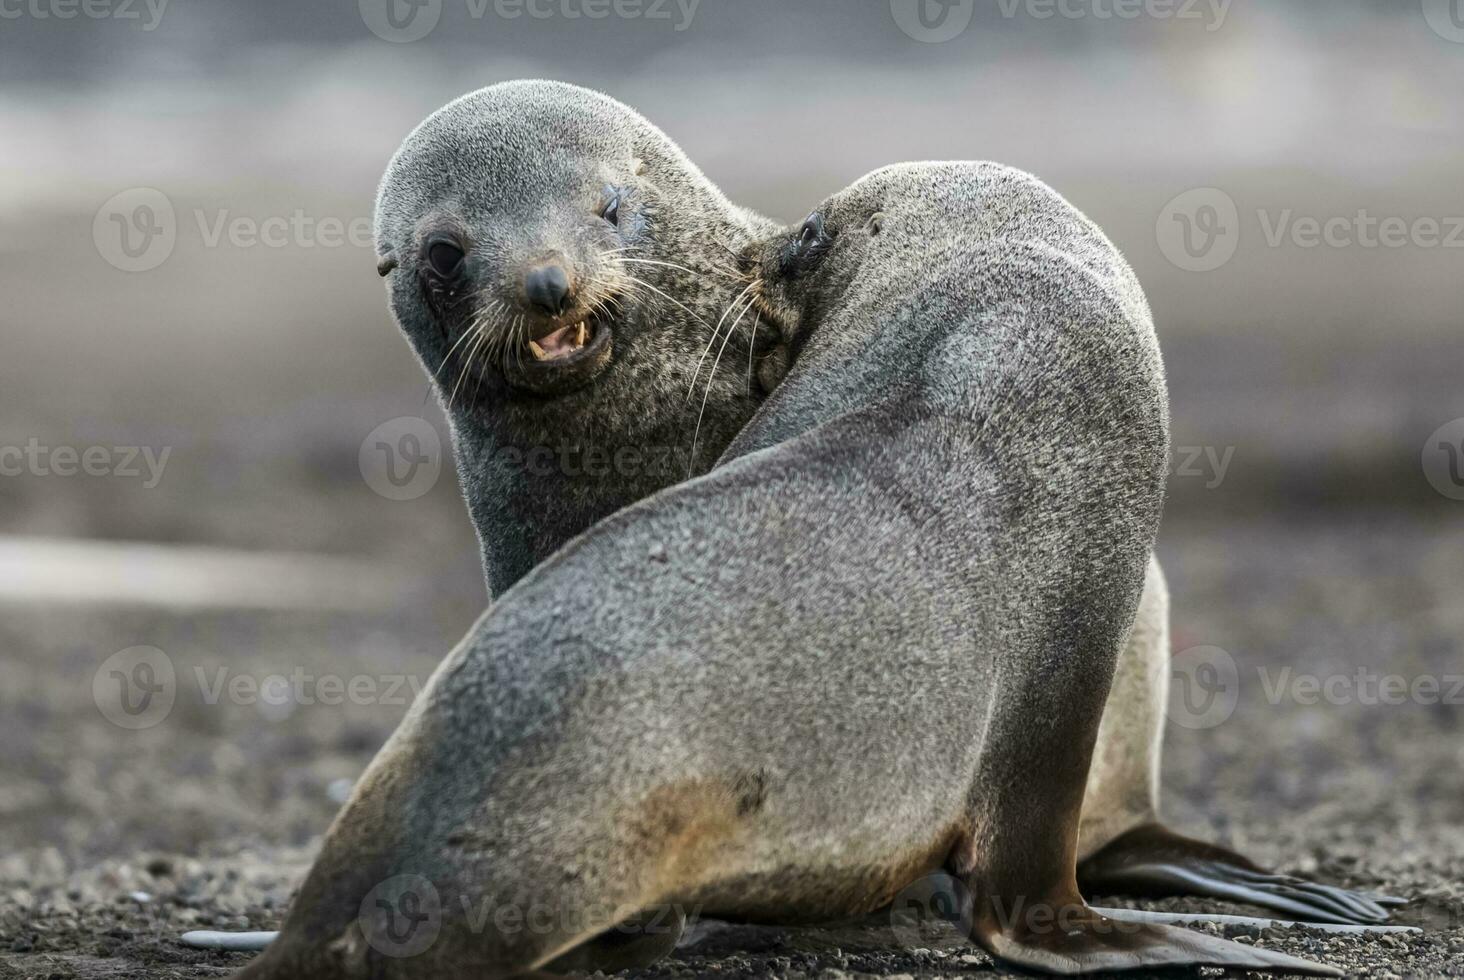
(559, 266)
(1124, 849)
(736, 697)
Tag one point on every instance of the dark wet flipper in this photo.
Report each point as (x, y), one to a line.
(1077, 940)
(1387, 901)
(1345, 902)
(1155, 862)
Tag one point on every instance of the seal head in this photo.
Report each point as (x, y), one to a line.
(562, 270)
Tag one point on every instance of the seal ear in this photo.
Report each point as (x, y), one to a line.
(638, 166)
(875, 224)
(385, 264)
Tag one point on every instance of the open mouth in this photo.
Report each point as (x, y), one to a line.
(562, 358)
(563, 346)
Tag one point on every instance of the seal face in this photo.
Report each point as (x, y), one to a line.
(539, 319)
(565, 274)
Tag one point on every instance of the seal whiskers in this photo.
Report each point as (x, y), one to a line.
(716, 332)
(480, 338)
(712, 374)
(681, 268)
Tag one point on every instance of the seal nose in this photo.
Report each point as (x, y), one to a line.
(547, 287)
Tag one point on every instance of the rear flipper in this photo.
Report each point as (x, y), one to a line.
(1154, 862)
(1073, 939)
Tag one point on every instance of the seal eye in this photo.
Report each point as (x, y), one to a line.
(445, 258)
(610, 210)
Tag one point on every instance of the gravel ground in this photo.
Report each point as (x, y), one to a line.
(118, 841)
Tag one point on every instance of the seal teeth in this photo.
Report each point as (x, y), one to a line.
(579, 338)
(538, 351)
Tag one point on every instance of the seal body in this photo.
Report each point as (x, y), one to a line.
(561, 269)
(876, 643)
(1123, 846)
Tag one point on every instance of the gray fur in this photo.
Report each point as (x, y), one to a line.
(520, 168)
(874, 642)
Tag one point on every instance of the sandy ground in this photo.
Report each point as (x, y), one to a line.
(119, 840)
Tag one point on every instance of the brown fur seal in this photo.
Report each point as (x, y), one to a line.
(876, 644)
(1124, 848)
(562, 270)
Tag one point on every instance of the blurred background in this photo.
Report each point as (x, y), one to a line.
(197, 362)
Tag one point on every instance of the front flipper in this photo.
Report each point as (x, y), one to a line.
(1073, 939)
(1016, 871)
(1154, 862)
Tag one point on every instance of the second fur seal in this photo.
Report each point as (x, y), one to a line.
(872, 647)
